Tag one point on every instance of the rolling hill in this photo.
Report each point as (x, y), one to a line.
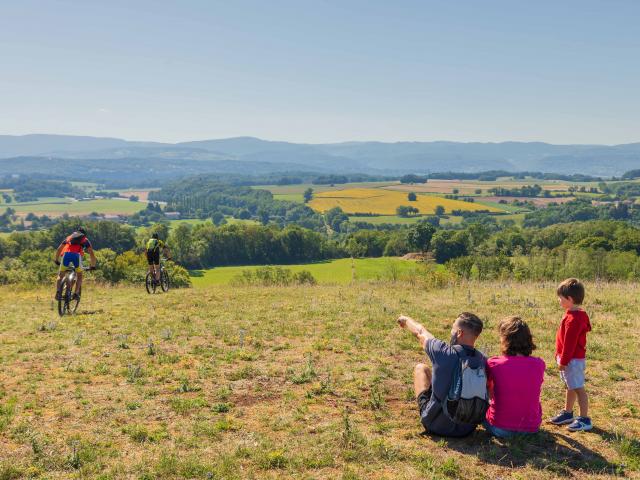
(364, 157)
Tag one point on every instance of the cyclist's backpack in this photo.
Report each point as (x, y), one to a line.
(153, 245)
(468, 397)
(76, 238)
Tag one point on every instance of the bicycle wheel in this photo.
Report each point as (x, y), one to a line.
(64, 304)
(150, 283)
(72, 306)
(164, 280)
(62, 301)
(72, 303)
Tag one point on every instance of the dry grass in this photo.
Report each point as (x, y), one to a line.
(385, 202)
(313, 382)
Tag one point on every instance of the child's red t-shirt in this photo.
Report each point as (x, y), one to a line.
(571, 339)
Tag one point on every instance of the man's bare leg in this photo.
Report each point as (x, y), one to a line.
(59, 281)
(421, 378)
(78, 283)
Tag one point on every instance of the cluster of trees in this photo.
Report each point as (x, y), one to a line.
(493, 175)
(524, 191)
(581, 210)
(27, 189)
(407, 211)
(631, 175)
(620, 190)
(479, 248)
(205, 245)
(203, 197)
(153, 213)
(412, 178)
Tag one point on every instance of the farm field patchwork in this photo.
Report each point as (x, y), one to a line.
(468, 187)
(385, 202)
(290, 383)
(340, 271)
(300, 188)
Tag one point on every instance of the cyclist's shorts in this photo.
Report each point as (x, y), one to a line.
(153, 257)
(71, 260)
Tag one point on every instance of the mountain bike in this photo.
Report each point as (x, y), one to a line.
(152, 284)
(68, 302)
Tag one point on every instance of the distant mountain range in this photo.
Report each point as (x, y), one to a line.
(253, 154)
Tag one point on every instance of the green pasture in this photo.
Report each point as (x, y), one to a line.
(341, 271)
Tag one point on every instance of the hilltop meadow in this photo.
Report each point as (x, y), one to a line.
(306, 382)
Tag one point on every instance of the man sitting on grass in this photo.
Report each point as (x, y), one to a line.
(433, 387)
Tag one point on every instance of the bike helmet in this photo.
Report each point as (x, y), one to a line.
(82, 230)
(154, 235)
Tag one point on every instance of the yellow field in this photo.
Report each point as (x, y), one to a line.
(385, 202)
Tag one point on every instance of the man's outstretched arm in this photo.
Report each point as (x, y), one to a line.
(416, 329)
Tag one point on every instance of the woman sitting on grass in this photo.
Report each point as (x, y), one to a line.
(514, 380)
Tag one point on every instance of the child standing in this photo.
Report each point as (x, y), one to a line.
(571, 346)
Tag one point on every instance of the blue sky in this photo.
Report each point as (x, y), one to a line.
(323, 71)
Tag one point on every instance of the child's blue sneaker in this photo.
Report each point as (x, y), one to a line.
(562, 418)
(581, 424)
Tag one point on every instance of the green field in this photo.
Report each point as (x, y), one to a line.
(55, 207)
(339, 271)
(289, 197)
(507, 207)
(290, 383)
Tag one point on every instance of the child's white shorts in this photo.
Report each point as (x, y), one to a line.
(573, 375)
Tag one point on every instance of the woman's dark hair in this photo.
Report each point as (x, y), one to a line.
(515, 337)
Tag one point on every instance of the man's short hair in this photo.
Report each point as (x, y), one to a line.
(470, 322)
(572, 287)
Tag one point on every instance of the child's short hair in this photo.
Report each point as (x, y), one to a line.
(572, 287)
(515, 337)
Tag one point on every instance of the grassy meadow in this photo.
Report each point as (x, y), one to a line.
(289, 382)
(341, 271)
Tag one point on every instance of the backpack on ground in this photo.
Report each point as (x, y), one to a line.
(77, 238)
(468, 398)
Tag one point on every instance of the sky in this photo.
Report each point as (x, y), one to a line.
(324, 70)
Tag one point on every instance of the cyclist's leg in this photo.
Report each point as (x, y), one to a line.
(79, 273)
(152, 270)
(156, 265)
(65, 264)
(61, 273)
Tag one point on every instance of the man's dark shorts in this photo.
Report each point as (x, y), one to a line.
(153, 257)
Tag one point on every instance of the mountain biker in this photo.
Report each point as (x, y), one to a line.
(153, 247)
(69, 255)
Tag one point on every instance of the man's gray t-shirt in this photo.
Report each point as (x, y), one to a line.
(444, 360)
